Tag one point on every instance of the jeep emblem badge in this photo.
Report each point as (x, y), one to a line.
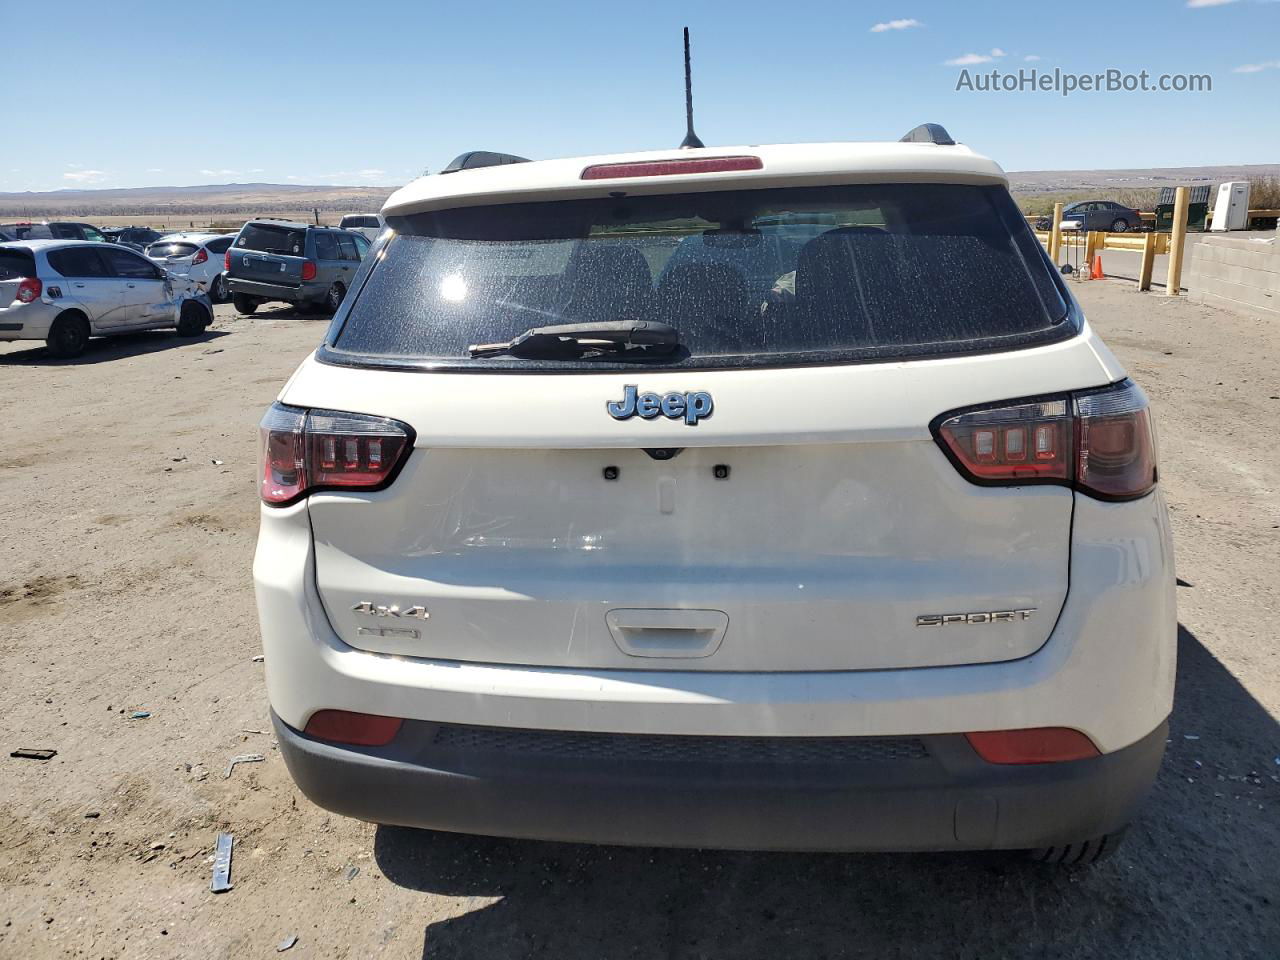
(691, 407)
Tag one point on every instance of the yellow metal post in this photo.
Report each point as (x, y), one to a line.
(1093, 240)
(1055, 234)
(1178, 242)
(1148, 261)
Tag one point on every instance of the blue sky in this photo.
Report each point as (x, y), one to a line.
(374, 92)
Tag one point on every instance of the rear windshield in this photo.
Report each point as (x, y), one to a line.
(272, 239)
(15, 264)
(814, 274)
(348, 222)
(172, 250)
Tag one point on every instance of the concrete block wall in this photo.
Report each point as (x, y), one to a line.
(1239, 272)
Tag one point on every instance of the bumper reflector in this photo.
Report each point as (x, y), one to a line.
(357, 729)
(1034, 745)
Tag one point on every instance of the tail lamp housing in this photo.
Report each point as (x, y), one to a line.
(202, 256)
(29, 290)
(226, 260)
(1032, 745)
(306, 451)
(1100, 442)
(308, 270)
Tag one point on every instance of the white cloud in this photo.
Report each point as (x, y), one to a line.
(292, 177)
(1208, 3)
(155, 169)
(1257, 67)
(86, 176)
(256, 170)
(969, 59)
(218, 173)
(371, 172)
(1031, 58)
(905, 24)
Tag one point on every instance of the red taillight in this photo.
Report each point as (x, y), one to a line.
(358, 729)
(29, 289)
(226, 261)
(1100, 441)
(1034, 745)
(308, 450)
(308, 270)
(667, 168)
(202, 256)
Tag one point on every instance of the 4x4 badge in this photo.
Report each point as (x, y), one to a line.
(692, 407)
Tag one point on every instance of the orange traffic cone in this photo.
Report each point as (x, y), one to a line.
(1096, 273)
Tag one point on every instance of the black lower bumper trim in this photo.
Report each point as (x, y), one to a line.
(927, 793)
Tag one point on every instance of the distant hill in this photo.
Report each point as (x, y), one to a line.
(203, 201)
(229, 201)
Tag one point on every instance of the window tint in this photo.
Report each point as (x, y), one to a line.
(220, 245)
(29, 231)
(326, 246)
(15, 264)
(169, 249)
(129, 265)
(355, 220)
(786, 275)
(362, 245)
(270, 238)
(78, 262)
(347, 246)
(91, 233)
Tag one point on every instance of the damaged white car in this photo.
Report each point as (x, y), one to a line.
(66, 291)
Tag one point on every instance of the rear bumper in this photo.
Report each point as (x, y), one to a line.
(925, 793)
(305, 292)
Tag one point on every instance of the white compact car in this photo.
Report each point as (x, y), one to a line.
(199, 256)
(576, 529)
(65, 291)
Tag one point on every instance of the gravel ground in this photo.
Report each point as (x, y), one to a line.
(128, 516)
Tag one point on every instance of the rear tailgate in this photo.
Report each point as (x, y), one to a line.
(818, 551)
(15, 264)
(269, 254)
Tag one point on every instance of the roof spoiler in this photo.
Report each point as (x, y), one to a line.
(481, 158)
(929, 133)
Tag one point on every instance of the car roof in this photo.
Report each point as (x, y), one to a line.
(47, 245)
(782, 165)
(292, 224)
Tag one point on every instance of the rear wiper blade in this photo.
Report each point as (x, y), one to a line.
(568, 340)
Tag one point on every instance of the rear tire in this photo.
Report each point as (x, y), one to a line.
(1119, 225)
(218, 289)
(333, 298)
(1080, 854)
(68, 336)
(244, 304)
(192, 319)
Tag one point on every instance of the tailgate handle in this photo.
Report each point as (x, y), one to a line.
(687, 634)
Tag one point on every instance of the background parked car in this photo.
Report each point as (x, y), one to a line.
(1097, 215)
(199, 256)
(135, 237)
(295, 262)
(370, 224)
(53, 230)
(65, 291)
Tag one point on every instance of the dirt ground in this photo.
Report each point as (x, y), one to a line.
(128, 511)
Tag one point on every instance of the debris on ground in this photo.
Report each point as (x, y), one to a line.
(30, 753)
(287, 943)
(221, 882)
(139, 714)
(243, 758)
(217, 463)
(351, 872)
(259, 658)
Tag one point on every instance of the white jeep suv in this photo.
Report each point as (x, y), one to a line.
(773, 497)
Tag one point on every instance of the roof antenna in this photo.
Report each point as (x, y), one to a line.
(690, 138)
